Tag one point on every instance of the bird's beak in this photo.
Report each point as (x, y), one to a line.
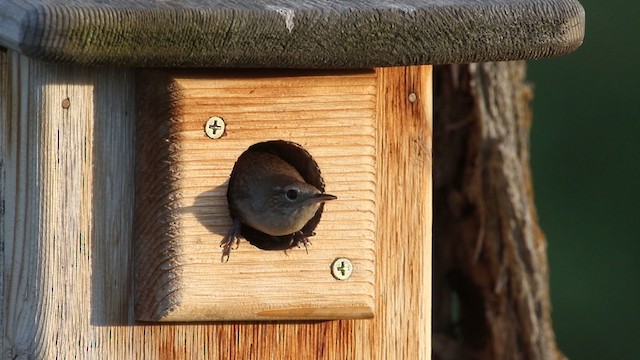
(323, 197)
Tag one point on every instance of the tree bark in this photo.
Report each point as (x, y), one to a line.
(491, 290)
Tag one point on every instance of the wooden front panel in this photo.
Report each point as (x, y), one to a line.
(67, 256)
(182, 178)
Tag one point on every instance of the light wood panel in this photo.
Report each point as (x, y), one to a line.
(67, 190)
(403, 324)
(66, 181)
(182, 212)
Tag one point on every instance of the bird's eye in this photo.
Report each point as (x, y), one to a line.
(291, 194)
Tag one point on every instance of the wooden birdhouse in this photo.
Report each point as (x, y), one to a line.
(122, 122)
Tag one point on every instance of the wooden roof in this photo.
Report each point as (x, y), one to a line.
(289, 33)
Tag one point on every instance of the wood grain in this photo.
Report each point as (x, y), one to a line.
(67, 232)
(182, 213)
(404, 218)
(303, 34)
(67, 187)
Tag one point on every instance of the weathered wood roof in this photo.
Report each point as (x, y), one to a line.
(290, 33)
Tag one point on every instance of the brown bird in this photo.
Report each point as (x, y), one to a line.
(269, 195)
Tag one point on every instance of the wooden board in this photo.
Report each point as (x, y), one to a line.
(182, 212)
(66, 182)
(403, 326)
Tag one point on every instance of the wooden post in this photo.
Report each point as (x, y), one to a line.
(490, 267)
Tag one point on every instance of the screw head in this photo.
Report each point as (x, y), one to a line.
(214, 127)
(341, 268)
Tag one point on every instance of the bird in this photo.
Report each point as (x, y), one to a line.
(268, 194)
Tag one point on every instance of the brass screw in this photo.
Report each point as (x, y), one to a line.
(214, 127)
(341, 268)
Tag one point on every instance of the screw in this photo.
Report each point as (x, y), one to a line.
(412, 97)
(66, 103)
(214, 128)
(341, 268)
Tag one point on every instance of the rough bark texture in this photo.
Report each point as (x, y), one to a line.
(491, 292)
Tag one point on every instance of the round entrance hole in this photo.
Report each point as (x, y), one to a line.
(295, 155)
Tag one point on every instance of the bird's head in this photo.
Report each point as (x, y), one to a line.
(293, 205)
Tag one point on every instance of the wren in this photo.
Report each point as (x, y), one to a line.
(268, 194)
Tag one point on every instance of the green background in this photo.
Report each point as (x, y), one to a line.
(586, 166)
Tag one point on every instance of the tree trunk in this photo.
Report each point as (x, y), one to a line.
(491, 291)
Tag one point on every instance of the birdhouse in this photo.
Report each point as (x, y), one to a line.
(122, 123)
